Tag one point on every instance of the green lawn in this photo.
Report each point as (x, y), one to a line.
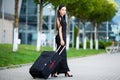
(28, 54)
(82, 53)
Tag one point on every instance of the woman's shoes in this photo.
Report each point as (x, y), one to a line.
(68, 75)
(54, 75)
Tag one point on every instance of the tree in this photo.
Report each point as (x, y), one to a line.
(69, 13)
(105, 12)
(109, 9)
(82, 10)
(86, 10)
(92, 17)
(68, 31)
(73, 11)
(15, 38)
(42, 3)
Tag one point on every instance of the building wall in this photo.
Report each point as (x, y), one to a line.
(0, 5)
(9, 6)
(8, 26)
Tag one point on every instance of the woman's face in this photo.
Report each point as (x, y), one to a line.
(62, 11)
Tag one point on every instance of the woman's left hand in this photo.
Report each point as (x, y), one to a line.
(62, 42)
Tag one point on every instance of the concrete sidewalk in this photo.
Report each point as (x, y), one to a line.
(97, 67)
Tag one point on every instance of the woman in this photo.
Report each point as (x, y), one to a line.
(61, 40)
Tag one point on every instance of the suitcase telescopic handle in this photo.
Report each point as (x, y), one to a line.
(59, 49)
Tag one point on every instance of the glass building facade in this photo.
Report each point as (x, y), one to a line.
(28, 22)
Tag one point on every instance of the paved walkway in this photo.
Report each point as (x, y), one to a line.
(98, 67)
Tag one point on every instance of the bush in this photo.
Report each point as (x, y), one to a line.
(101, 44)
(70, 45)
(88, 44)
(109, 43)
(81, 45)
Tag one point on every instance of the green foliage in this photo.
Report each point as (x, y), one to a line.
(82, 9)
(55, 3)
(109, 10)
(81, 45)
(36, 1)
(93, 10)
(58, 2)
(41, 2)
(88, 44)
(102, 44)
(82, 53)
(104, 10)
(109, 43)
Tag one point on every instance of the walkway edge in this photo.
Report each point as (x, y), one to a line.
(14, 66)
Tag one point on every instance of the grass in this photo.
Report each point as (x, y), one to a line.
(82, 53)
(28, 54)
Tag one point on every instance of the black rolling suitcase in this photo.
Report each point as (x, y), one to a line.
(46, 63)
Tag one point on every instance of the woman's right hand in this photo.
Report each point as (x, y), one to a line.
(62, 42)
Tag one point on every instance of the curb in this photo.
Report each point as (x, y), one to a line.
(14, 66)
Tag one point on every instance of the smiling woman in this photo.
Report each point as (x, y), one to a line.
(61, 40)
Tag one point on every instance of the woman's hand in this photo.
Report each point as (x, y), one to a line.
(62, 42)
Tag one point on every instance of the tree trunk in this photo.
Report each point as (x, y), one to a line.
(78, 35)
(84, 36)
(68, 33)
(107, 28)
(55, 21)
(41, 16)
(3, 24)
(96, 37)
(15, 41)
(40, 28)
(91, 36)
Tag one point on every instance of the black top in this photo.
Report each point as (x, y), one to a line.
(63, 25)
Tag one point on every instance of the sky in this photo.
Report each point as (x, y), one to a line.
(116, 18)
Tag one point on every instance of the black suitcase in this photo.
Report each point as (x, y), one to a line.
(46, 63)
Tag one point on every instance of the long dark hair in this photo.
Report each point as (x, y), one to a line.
(59, 8)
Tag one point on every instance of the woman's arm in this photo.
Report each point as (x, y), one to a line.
(60, 32)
